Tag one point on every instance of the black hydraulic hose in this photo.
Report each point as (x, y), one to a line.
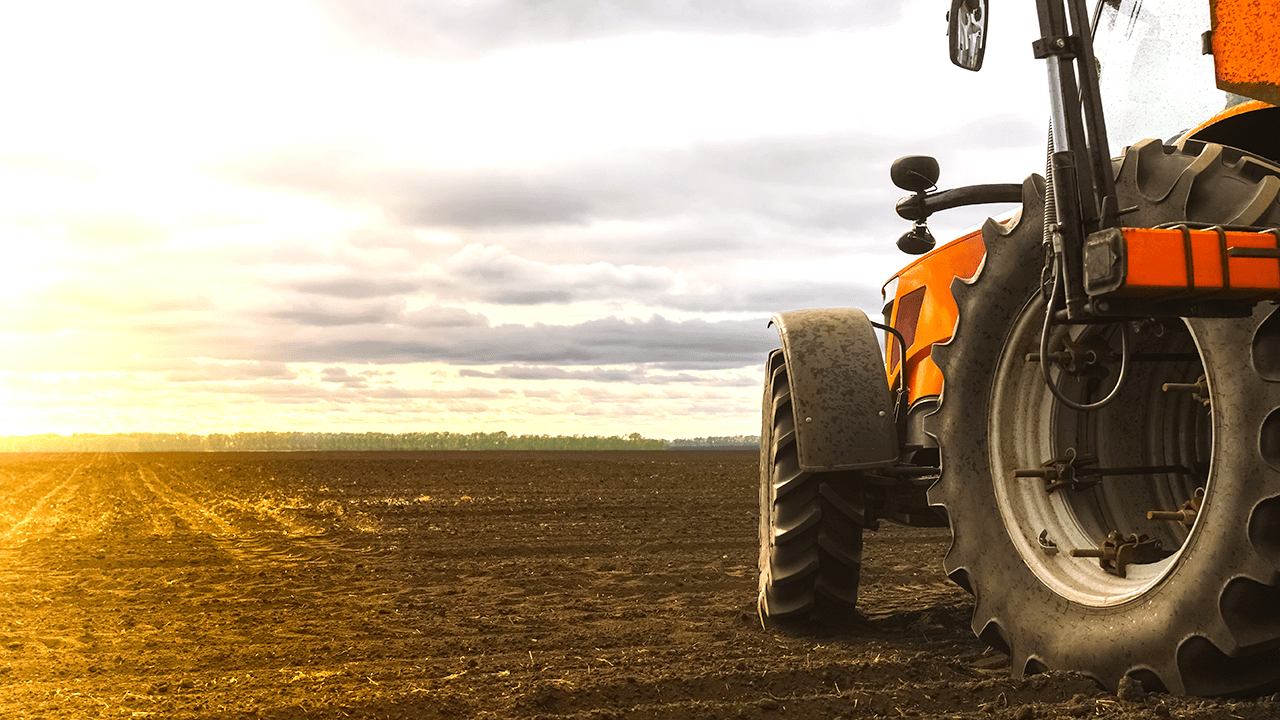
(902, 355)
(1050, 221)
(1044, 356)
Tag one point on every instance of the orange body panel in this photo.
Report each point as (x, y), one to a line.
(1234, 110)
(932, 275)
(1189, 264)
(1246, 47)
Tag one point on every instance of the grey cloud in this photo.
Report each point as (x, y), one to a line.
(327, 312)
(398, 393)
(431, 27)
(797, 182)
(633, 376)
(701, 209)
(354, 288)
(296, 391)
(662, 343)
(495, 274)
(342, 376)
(378, 311)
(436, 316)
(285, 392)
(204, 372)
(697, 209)
(826, 183)
(497, 200)
(545, 372)
(783, 293)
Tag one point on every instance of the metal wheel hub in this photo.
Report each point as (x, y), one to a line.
(1074, 489)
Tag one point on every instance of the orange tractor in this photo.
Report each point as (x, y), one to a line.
(1087, 390)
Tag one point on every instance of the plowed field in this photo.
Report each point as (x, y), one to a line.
(461, 585)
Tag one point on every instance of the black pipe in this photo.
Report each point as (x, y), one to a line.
(921, 206)
(1102, 181)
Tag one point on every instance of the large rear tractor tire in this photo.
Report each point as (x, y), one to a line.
(810, 523)
(1198, 611)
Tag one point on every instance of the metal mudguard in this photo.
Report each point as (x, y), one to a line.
(839, 391)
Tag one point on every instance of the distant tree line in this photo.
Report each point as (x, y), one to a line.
(722, 441)
(313, 441)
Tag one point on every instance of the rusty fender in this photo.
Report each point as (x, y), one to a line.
(839, 392)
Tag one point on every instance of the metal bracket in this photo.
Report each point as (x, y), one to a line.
(1186, 516)
(1048, 546)
(1199, 389)
(1117, 552)
(1060, 472)
(1063, 46)
(1069, 471)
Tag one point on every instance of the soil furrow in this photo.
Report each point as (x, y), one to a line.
(38, 517)
(467, 585)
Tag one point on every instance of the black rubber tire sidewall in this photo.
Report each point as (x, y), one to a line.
(1180, 633)
(812, 574)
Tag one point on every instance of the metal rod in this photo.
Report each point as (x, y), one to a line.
(1072, 169)
(1135, 357)
(1086, 552)
(1083, 472)
(1102, 181)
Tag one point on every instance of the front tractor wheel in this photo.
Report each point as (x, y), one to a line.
(810, 523)
(1142, 538)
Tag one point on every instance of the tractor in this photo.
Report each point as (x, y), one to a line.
(1087, 389)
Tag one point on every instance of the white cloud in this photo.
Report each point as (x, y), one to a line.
(578, 215)
(424, 27)
(496, 275)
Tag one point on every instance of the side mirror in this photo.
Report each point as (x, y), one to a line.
(917, 174)
(967, 33)
(917, 241)
(914, 173)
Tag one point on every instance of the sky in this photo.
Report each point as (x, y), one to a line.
(537, 216)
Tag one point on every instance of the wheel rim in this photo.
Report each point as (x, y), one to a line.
(1144, 427)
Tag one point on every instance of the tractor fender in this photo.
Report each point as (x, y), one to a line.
(839, 392)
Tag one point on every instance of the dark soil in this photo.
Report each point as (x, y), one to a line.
(460, 585)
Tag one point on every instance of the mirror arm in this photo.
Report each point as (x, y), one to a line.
(921, 205)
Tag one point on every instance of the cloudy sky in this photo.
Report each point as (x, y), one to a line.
(538, 216)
